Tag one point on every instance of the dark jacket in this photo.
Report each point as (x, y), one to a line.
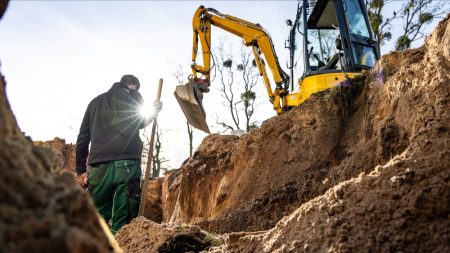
(111, 124)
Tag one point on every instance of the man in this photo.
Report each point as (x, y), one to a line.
(113, 163)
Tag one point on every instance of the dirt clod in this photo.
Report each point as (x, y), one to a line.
(143, 235)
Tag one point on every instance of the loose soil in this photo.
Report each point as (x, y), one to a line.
(64, 154)
(143, 235)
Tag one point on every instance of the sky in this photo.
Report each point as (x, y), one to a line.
(58, 55)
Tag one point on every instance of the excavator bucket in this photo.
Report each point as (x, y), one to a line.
(190, 99)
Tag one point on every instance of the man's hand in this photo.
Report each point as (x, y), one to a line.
(157, 106)
(81, 179)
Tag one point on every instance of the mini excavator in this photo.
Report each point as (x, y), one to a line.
(337, 45)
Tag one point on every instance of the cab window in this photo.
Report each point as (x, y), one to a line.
(355, 18)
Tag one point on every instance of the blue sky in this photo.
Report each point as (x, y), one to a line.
(58, 55)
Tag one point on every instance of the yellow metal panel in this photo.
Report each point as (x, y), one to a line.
(314, 84)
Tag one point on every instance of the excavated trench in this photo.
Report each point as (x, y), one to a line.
(360, 168)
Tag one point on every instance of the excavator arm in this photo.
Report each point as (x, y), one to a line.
(253, 35)
(190, 95)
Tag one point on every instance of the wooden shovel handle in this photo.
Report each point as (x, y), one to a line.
(149, 157)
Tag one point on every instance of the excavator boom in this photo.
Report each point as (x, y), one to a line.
(189, 95)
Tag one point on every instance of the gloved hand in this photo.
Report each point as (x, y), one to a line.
(157, 106)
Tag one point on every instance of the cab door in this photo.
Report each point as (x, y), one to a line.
(357, 36)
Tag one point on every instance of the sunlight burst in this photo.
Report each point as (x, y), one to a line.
(146, 110)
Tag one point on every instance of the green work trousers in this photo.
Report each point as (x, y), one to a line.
(115, 189)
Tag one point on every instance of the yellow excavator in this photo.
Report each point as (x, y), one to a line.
(337, 44)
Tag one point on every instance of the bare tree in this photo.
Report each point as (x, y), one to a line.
(224, 64)
(158, 159)
(416, 14)
(179, 75)
(380, 23)
(250, 76)
(245, 103)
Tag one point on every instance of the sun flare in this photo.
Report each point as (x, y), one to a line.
(146, 110)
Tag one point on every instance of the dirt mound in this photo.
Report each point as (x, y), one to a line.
(401, 206)
(64, 154)
(40, 211)
(249, 183)
(143, 235)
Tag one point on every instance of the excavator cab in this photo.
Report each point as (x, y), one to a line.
(337, 44)
(337, 29)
